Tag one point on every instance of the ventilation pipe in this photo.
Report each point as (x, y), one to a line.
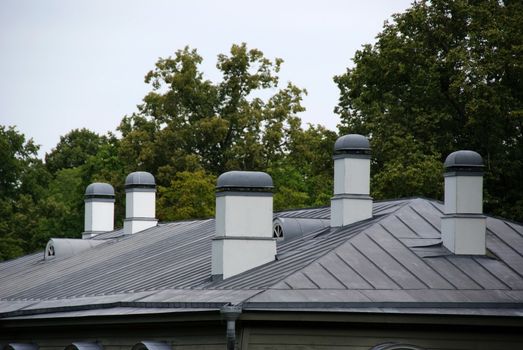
(463, 225)
(243, 237)
(140, 202)
(351, 201)
(99, 209)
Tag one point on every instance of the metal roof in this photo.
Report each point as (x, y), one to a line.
(244, 179)
(464, 158)
(99, 189)
(394, 260)
(351, 142)
(140, 178)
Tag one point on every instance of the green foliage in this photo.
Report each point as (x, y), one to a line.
(190, 195)
(73, 150)
(23, 180)
(187, 131)
(188, 123)
(445, 75)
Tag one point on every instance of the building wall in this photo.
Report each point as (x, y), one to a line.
(305, 337)
(255, 335)
(122, 337)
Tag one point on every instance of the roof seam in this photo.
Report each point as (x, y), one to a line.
(310, 279)
(407, 226)
(425, 219)
(333, 276)
(504, 242)
(354, 270)
(490, 273)
(399, 262)
(465, 273)
(377, 267)
(420, 258)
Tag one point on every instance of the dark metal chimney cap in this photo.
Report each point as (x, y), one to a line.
(99, 190)
(464, 162)
(352, 144)
(244, 181)
(140, 179)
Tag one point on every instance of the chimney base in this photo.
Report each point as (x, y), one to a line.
(464, 233)
(350, 208)
(134, 225)
(242, 254)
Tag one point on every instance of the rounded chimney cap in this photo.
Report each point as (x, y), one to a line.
(140, 179)
(464, 161)
(99, 190)
(244, 181)
(352, 144)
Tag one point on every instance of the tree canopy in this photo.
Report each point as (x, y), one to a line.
(445, 75)
(442, 76)
(186, 132)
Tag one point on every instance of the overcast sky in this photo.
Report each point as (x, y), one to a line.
(73, 64)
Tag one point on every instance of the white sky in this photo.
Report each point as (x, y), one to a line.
(73, 64)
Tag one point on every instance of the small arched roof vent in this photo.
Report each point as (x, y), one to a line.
(352, 144)
(151, 345)
(66, 247)
(140, 179)
(20, 346)
(464, 160)
(244, 181)
(84, 346)
(291, 228)
(99, 189)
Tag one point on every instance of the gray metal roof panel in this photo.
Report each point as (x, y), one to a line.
(173, 260)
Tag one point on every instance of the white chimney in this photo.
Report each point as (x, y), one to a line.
(351, 201)
(99, 209)
(243, 223)
(463, 226)
(140, 202)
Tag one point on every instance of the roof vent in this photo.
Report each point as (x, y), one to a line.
(243, 223)
(351, 201)
(20, 346)
(151, 345)
(463, 226)
(140, 202)
(66, 247)
(99, 209)
(84, 346)
(290, 228)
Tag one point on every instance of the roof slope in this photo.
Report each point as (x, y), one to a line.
(393, 260)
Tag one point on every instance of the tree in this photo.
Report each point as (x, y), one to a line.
(73, 149)
(188, 123)
(445, 75)
(189, 195)
(23, 180)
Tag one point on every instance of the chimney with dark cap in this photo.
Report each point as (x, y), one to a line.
(351, 201)
(140, 202)
(463, 226)
(243, 223)
(99, 209)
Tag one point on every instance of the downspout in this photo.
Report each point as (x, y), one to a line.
(231, 313)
